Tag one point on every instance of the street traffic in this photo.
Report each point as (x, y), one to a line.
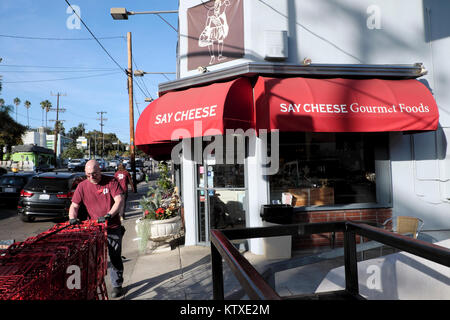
(32, 202)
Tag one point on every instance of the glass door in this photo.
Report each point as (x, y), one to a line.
(221, 197)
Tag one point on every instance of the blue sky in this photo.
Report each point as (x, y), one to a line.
(104, 86)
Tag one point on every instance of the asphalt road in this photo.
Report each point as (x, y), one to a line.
(12, 228)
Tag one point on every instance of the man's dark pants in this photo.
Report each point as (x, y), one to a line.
(115, 256)
(125, 194)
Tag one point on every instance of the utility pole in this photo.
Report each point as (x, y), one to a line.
(84, 135)
(95, 145)
(130, 103)
(58, 110)
(101, 129)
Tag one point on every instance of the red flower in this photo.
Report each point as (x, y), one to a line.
(146, 212)
(160, 211)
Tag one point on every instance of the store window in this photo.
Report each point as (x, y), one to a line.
(328, 169)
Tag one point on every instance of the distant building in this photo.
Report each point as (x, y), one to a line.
(63, 143)
(36, 137)
(82, 143)
(39, 138)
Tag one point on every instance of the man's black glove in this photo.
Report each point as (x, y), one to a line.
(73, 222)
(104, 218)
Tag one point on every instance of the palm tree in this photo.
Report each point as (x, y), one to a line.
(27, 105)
(16, 102)
(46, 105)
(42, 107)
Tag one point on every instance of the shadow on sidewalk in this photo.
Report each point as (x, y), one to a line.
(147, 285)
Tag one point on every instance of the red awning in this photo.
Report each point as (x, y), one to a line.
(344, 105)
(196, 112)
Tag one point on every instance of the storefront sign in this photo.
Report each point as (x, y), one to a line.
(355, 107)
(344, 105)
(219, 106)
(215, 33)
(188, 114)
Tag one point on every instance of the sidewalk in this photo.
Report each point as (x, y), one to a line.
(184, 273)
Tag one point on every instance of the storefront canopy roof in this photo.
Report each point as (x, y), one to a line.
(196, 112)
(344, 105)
(287, 104)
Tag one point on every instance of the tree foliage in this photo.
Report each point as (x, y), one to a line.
(72, 152)
(76, 132)
(45, 105)
(10, 131)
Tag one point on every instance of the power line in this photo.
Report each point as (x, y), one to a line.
(142, 80)
(167, 23)
(135, 82)
(71, 78)
(54, 67)
(137, 106)
(147, 93)
(62, 39)
(165, 76)
(135, 65)
(106, 51)
(51, 71)
(80, 116)
(23, 115)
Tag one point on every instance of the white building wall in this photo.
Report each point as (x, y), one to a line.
(256, 190)
(32, 137)
(62, 142)
(189, 194)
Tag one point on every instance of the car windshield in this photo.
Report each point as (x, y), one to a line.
(48, 184)
(13, 181)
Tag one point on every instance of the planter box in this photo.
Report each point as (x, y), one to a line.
(161, 230)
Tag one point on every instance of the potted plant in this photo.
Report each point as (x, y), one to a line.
(160, 211)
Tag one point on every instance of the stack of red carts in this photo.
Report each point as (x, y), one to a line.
(63, 263)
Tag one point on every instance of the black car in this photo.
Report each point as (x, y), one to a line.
(11, 184)
(49, 195)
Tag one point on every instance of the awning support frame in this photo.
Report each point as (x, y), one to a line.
(250, 69)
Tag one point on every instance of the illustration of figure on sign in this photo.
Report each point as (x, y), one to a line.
(216, 30)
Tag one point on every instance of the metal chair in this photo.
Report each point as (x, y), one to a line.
(406, 225)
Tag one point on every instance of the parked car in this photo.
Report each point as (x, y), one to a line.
(49, 195)
(140, 175)
(112, 164)
(45, 167)
(102, 164)
(76, 165)
(139, 163)
(11, 184)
